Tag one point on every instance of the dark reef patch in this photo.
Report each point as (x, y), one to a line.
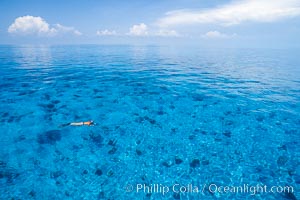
(291, 132)
(198, 97)
(138, 152)
(56, 174)
(20, 138)
(98, 172)
(195, 163)
(97, 139)
(49, 137)
(192, 137)
(282, 160)
(8, 174)
(152, 121)
(6, 114)
(146, 118)
(32, 193)
(227, 133)
(176, 195)
(101, 195)
(112, 142)
(112, 151)
(289, 195)
(55, 101)
(260, 118)
(178, 161)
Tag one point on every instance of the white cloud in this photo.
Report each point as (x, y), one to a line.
(65, 29)
(106, 32)
(30, 25)
(235, 13)
(217, 35)
(143, 30)
(139, 30)
(167, 33)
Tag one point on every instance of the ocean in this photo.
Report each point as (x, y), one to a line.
(170, 122)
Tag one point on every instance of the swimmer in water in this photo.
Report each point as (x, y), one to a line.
(88, 123)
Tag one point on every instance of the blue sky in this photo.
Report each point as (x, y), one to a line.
(237, 23)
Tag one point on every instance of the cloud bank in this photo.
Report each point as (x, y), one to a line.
(217, 35)
(30, 25)
(65, 29)
(235, 13)
(139, 30)
(167, 33)
(143, 30)
(106, 32)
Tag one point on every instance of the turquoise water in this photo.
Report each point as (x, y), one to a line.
(164, 115)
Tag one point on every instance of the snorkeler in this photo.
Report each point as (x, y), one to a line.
(88, 123)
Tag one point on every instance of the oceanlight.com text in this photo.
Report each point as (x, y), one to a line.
(250, 189)
(203, 189)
